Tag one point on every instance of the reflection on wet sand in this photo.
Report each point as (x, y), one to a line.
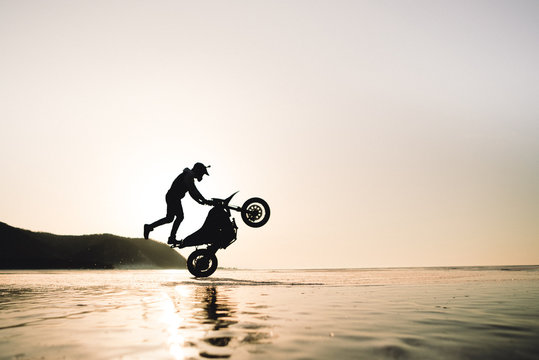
(380, 314)
(202, 321)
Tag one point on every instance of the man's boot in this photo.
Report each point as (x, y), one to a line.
(176, 243)
(147, 229)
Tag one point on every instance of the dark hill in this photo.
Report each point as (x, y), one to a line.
(23, 249)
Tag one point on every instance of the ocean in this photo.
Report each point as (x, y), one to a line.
(405, 313)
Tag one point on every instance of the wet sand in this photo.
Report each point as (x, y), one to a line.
(444, 313)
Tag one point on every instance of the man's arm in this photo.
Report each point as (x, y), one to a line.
(195, 194)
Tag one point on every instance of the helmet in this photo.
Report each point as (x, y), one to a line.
(200, 168)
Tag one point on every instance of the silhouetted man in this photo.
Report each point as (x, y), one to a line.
(185, 182)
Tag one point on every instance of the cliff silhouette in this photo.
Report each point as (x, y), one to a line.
(24, 249)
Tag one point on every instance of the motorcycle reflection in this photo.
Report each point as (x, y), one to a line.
(216, 311)
(214, 326)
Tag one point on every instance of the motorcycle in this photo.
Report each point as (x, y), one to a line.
(220, 230)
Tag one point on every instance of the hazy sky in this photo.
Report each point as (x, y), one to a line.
(382, 133)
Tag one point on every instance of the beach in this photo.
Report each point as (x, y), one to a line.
(405, 313)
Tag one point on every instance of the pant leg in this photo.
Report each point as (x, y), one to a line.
(179, 219)
(171, 211)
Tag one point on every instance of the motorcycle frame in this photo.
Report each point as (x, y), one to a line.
(219, 241)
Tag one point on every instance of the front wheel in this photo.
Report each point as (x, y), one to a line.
(202, 263)
(255, 212)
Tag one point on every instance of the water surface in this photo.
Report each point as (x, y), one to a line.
(443, 313)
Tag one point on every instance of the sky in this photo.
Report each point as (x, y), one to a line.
(381, 133)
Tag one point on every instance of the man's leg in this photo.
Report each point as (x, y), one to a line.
(166, 220)
(149, 227)
(177, 222)
(171, 210)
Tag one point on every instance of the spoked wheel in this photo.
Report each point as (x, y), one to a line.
(202, 263)
(255, 212)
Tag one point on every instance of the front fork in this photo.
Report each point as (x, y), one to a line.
(237, 208)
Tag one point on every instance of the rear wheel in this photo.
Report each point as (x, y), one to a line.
(255, 212)
(202, 263)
